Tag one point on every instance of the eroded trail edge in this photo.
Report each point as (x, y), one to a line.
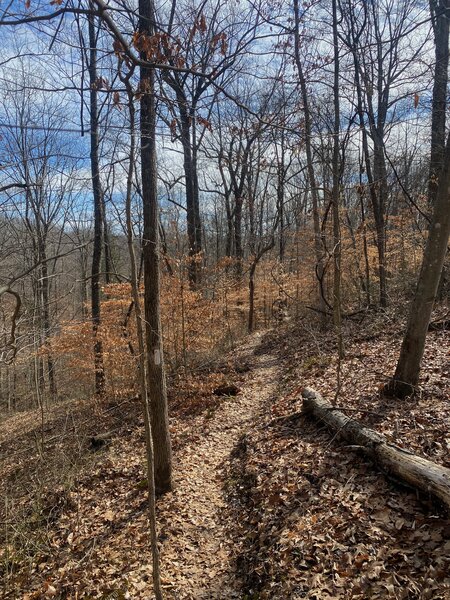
(197, 555)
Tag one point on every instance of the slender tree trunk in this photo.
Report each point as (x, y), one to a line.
(156, 380)
(377, 122)
(310, 163)
(106, 244)
(238, 249)
(229, 234)
(337, 316)
(46, 318)
(142, 364)
(192, 200)
(365, 249)
(200, 239)
(407, 372)
(98, 220)
(380, 176)
(251, 297)
(83, 273)
(280, 203)
(376, 198)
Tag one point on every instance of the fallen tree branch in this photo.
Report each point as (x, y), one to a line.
(351, 315)
(422, 474)
(440, 325)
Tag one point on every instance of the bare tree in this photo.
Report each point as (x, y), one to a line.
(407, 371)
(98, 205)
(156, 380)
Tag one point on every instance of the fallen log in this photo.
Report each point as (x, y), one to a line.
(440, 325)
(407, 467)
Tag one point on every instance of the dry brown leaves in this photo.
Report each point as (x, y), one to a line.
(291, 515)
(320, 521)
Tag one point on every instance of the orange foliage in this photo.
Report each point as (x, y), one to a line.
(200, 324)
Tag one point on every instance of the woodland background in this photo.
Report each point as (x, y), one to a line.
(233, 167)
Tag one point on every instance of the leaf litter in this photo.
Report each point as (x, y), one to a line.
(266, 503)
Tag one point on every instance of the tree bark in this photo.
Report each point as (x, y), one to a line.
(310, 164)
(156, 380)
(409, 468)
(192, 196)
(143, 359)
(46, 316)
(98, 219)
(440, 10)
(407, 372)
(251, 297)
(337, 309)
(238, 249)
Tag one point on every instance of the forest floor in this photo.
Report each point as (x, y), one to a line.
(265, 505)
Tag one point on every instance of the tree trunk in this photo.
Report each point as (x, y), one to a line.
(142, 363)
(46, 317)
(310, 164)
(238, 250)
(441, 19)
(192, 199)
(440, 12)
(379, 171)
(372, 190)
(337, 316)
(229, 234)
(407, 372)
(156, 380)
(251, 297)
(97, 194)
(365, 249)
(106, 245)
(281, 175)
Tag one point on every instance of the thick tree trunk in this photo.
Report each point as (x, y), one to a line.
(440, 12)
(156, 380)
(409, 468)
(441, 21)
(407, 372)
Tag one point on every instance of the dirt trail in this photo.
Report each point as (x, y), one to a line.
(197, 557)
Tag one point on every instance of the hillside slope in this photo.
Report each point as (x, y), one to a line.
(266, 504)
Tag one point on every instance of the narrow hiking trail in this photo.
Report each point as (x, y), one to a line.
(197, 557)
(290, 513)
(96, 531)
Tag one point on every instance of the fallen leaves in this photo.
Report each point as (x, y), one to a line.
(302, 517)
(314, 519)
